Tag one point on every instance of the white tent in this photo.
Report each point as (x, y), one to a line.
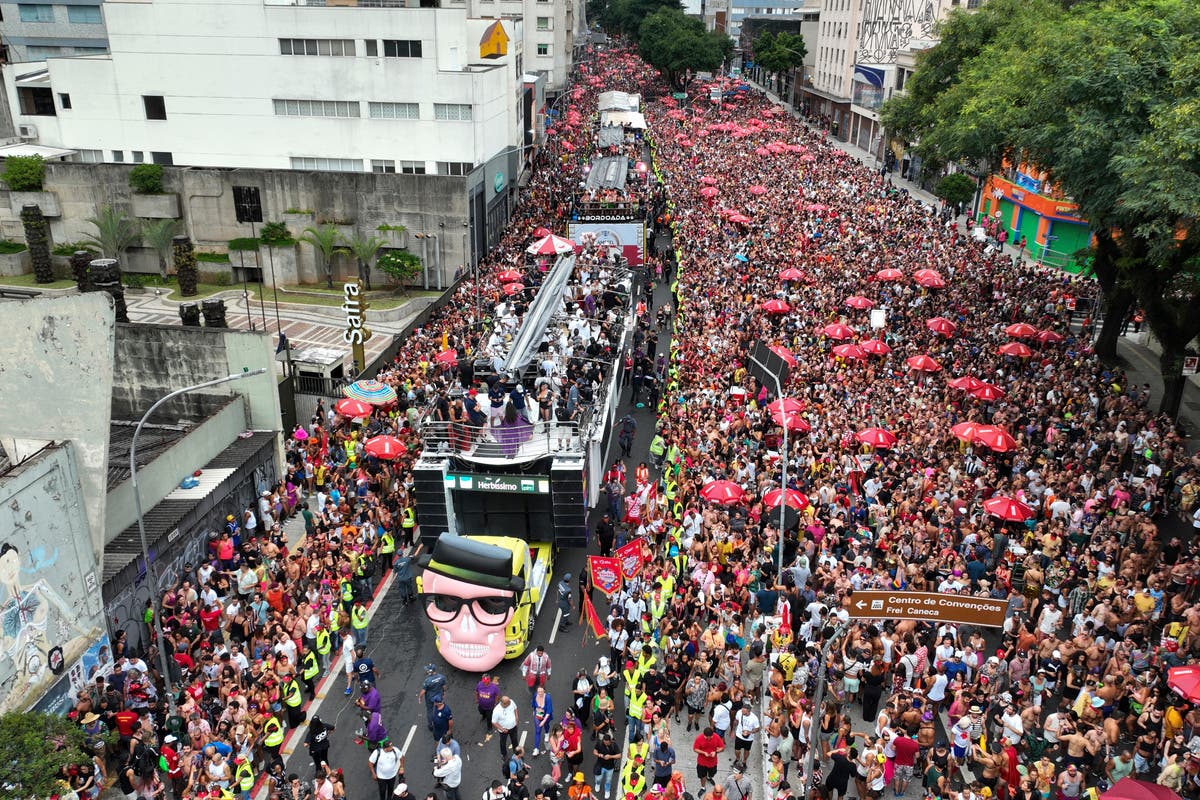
(623, 119)
(619, 101)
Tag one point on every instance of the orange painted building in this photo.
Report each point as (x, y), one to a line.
(1028, 206)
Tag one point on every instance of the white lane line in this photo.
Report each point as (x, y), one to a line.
(521, 741)
(557, 622)
(408, 739)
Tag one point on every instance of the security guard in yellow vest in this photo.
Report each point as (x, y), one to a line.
(631, 676)
(658, 605)
(408, 522)
(637, 704)
(272, 740)
(646, 660)
(633, 771)
(358, 621)
(243, 778)
(293, 701)
(387, 549)
(347, 593)
(324, 645)
(312, 668)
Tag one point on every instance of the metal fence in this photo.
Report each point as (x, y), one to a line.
(520, 441)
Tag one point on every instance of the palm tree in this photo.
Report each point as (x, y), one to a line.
(324, 240)
(115, 232)
(364, 249)
(160, 236)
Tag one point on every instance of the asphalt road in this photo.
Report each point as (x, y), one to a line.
(401, 643)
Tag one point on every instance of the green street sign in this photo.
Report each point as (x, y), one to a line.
(680, 95)
(498, 183)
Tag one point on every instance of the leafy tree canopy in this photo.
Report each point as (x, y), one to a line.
(33, 748)
(678, 46)
(779, 52)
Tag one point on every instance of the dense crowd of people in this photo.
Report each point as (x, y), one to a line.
(1071, 695)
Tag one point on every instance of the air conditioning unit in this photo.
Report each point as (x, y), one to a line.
(27, 132)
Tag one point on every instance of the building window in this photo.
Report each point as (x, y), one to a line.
(394, 110)
(412, 167)
(36, 12)
(88, 156)
(155, 107)
(316, 108)
(165, 159)
(327, 164)
(372, 47)
(119, 156)
(543, 50)
(36, 52)
(543, 23)
(36, 101)
(452, 112)
(316, 47)
(402, 48)
(455, 167)
(382, 165)
(139, 157)
(84, 15)
(90, 51)
(64, 100)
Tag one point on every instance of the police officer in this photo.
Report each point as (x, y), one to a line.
(432, 690)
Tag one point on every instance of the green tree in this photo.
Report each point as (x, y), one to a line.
(399, 265)
(146, 179)
(1102, 96)
(159, 235)
(115, 232)
(24, 173)
(956, 189)
(363, 249)
(324, 239)
(33, 748)
(678, 46)
(626, 16)
(779, 53)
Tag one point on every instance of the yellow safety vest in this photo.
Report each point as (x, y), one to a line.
(358, 617)
(631, 676)
(387, 544)
(323, 643)
(644, 663)
(670, 490)
(244, 776)
(274, 730)
(312, 667)
(347, 592)
(633, 777)
(291, 694)
(658, 607)
(409, 520)
(637, 701)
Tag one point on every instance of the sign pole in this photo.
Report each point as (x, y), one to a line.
(814, 725)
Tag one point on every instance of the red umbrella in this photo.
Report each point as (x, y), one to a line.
(859, 302)
(707, 181)
(793, 422)
(1049, 337)
(354, 409)
(965, 430)
(513, 288)
(889, 274)
(922, 363)
(1015, 349)
(447, 356)
(791, 274)
(709, 191)
(966, 383)
(987, 391)
(1021, 330)
(1133, 789)
(1006, 508)
(1185, 681)
(793, 498)
(540, 232)
(786, 405)
(850, 351)
(941, 325)
(784, 353)
(739, 219)
(876, 437)
(385, 447)
(929, 278)
(839, 331)
(550, 245)
(776, 307)
(995, 438)
(875, 347)
(724, 492)
(757, 190)
(509, 276)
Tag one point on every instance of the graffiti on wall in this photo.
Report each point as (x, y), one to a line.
(97, 661)
(50, 607)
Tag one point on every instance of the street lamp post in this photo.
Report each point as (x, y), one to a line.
(783, 467)
(151, 572)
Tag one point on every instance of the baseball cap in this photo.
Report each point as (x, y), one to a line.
(400, 789)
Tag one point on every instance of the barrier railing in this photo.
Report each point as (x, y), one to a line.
(497, 440)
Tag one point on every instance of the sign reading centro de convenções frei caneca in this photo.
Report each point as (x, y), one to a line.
(928, 606)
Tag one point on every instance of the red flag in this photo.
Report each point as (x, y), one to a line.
(593, 618)
(606, 574)
(631, 558)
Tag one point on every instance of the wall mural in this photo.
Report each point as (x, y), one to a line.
(50, 606)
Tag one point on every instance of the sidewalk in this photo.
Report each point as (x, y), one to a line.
(1139, 361)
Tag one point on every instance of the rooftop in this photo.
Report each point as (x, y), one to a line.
(155, 439)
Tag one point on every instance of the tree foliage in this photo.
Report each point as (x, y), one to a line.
(159, 235)
(146, 179)
(115, 233)
(1102, 96)
(364, 249)
(324, 239)
(626, 16)
(678, 46)
(33, 748)
(956, 189)
(24, 173)
(779, 52)
(399, 265)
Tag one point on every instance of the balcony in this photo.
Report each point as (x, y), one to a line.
(518, 442)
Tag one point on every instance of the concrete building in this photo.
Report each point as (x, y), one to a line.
(37, 31)
(805, 23)
(740, 10)
(552, 31)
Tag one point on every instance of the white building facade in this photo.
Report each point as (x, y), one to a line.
(551, 32)
(254, 84)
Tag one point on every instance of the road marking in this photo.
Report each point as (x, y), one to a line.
(521, 741)
(408, 739)
(557, 621)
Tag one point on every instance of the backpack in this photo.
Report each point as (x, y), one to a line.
(144, 761)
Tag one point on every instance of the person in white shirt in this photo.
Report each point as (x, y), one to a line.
(386, 763)
(744, 730)
(504, 722)
(720, 718)
(449, 770)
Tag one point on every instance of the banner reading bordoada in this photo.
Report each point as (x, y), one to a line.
(629, 236)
